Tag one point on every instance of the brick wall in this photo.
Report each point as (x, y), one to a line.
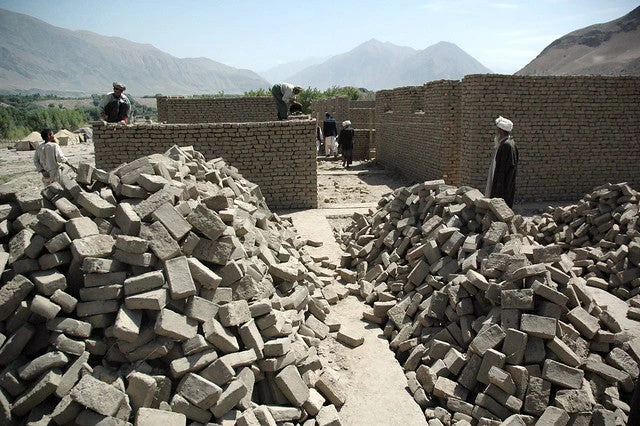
(216, 110)
(279, 156)
(418, 130)
(362, 118)
(573, 133)
(338, 107)
(363, 141)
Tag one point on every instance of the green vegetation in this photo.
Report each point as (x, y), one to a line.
(309, 95)
(22, 114)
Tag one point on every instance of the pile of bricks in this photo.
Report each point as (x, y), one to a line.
(489, 324)
(162, 292)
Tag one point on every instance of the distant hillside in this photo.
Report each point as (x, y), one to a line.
(376, 65)
(40, 57)
(612, 48)
(280, 72)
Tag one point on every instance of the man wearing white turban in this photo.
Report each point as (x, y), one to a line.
(501, 181)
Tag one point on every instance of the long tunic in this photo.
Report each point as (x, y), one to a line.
(501, 182)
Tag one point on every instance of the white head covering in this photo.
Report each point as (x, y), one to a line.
(504, 124)
(346, 123)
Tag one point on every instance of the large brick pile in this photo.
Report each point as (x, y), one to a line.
(160, 292)
(491, 315)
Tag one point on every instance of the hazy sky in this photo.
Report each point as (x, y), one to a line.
(504, 35)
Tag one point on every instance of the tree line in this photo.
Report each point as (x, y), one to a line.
(21, 114)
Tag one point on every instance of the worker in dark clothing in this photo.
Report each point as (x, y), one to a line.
(330, 131)
(501, 180)
(345, 140)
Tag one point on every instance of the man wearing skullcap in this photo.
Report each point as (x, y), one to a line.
(345, 139)
(501, 181)
(284, 94)
(115, 106)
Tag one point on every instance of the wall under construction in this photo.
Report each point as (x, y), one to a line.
(573, 133)
(279, 156)
(173, 109)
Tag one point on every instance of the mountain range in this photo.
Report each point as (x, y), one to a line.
(612, 48)
(36, 57)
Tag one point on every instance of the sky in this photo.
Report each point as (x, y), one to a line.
(504, 35)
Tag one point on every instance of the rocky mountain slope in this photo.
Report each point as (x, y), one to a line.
(36, 55)
(611, 48)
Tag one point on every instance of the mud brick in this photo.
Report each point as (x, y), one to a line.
(95, 204)
(97, 265)
(132, 244)
(491, 358)
(517, 299)
(320, 329)
(133, 191)
(141, 389)
(277, 363)
(200, 309)
(53, 260)
(529, 271)
(160, 241)
(277, 347)
(151, 182)
(220, 371)
(41, 364)
(181, 283)
(585, 323)
(143, 282)
(353, 340)
(67, 208)
(58, 243)
(36, 394)
(468, 375)
(85, 309)
(538, 326)
(127, 325)
(67, 345)
(478, 280)
(251, 337)
(554, 416)
(234, 313)
(181, 405)
(535, 351)
(195, 345)
(609, 373)
(495, 233)
(142, 259)
(219, 336)
(12, 294)
(241, 358)
(501, 379)
(514, 346)
(127, 219)
(538, 394)
(500, 209)
(520, 376)
(81, 227)
(199, 391)
(175, 223)
(219, 295)
(287, 272)
(29, 201)
(97, 280)
(511, 402)
(446, 388)
(229, 398)
(562, 375)
(573, 400)
(487, 339)
(92, 246)
(51, 219)
(18, 244)
(195, 362)
(66, 411)
(106, 292)
(44, 307)
(207, 222)
(564, 353)
(485, 401)
(70, 327)
(66, 301)
(154, 417)
(621, 360)
(4, 258)
(25, 266)
(175, 326)
(218, 252)
(329, 386)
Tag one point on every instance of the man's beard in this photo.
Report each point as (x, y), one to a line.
(496, 141)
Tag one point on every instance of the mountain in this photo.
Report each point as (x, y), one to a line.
(612, 48)
(376, 65)
(36, 56)
(280, 72)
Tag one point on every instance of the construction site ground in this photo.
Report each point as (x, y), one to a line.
(373, 380)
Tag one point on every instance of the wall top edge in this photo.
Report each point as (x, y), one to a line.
(284, 123)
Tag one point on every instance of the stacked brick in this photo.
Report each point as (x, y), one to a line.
(490, 326)
(278, 156)
(176, 109)
(162, 292)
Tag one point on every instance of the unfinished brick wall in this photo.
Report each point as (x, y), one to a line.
(363, 140)
(279, 156)
(418, 130)
(338, 107)
(362, 118)
(573, 133)
(216, 110)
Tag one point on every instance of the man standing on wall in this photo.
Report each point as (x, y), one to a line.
(115, 106)
(501, 181)
(284, 93)
(330, 131)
